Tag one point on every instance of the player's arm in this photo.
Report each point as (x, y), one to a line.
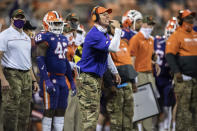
(41, 53)
(155, 63)
(41, 49)
(154, 57)
(70, 77)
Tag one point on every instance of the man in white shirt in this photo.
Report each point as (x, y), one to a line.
(15, 74)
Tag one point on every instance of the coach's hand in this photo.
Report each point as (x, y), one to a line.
(50, 87)
(134, 87)
(179, 77)
(113, 91)
(5, 84)
(115, 23)
(117, 78)
(35, 86)
(157, 69)
(73, 87)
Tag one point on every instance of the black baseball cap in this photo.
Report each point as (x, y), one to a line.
(72, 16)
(18, 12)
(149, 20)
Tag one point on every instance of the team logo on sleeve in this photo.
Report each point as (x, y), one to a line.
(52, 38)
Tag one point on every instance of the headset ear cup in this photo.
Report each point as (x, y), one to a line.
(94, 17)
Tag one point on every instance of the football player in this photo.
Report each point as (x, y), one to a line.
(53, 66)
(164, 79)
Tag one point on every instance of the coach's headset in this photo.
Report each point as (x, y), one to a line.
(180, 19)
(95, 15)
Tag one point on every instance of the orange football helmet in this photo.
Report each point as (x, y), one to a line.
(130, 17)
(53, 22)
(171, 26)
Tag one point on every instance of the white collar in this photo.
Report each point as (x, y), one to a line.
(100, 28)
(16, 31)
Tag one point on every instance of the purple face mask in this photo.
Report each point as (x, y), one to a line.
(19, 23)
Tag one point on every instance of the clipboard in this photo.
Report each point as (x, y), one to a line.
(145, 103)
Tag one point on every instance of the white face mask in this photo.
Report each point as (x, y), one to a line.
(56, 29)
(146, 32)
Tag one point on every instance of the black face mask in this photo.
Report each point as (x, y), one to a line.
(74, 24)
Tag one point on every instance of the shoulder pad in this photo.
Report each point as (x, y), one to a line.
(41, 37)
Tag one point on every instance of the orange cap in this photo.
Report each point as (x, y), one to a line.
(101, 10)
(187, 12)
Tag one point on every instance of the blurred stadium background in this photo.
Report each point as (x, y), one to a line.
(162, 10)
